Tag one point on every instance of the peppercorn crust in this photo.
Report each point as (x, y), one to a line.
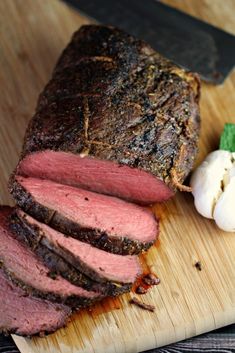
(113, 97)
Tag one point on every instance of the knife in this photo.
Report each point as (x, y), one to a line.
(189, 42)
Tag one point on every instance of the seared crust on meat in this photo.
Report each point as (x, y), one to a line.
(113, 97)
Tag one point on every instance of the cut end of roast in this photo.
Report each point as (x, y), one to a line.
(25, 315)
(106, 222)
(101, 176)
(28, 271)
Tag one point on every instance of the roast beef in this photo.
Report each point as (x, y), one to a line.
(57, 265)
(103, 221)
(95, 263)
(26, 270)
(116, 118)
(23, 314)
(92, 174)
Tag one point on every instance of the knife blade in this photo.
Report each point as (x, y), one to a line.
(189, 42)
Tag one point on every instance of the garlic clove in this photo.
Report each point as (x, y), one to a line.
(206, 181)
(224, 212)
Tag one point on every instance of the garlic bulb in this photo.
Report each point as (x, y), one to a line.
(213, 188)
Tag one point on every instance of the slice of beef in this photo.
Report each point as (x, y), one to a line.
(126, 118)
(58, 265)
(103, 221)
(25, 315)
(29, 233)
(98, 264)
(26, 270)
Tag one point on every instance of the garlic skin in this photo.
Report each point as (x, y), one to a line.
(224, 212)
(206, 181)
(213, 188)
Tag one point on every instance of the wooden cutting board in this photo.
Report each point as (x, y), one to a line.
(188, 302)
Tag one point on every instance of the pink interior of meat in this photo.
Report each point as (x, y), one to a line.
(91, 210)
(26, 314)
(24, 265)
(101, 176)
(113, 267)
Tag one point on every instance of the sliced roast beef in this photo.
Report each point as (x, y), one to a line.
(23, 314)
(26, 270)
(103, 221)
(93, 174)
(29, 233)
(95, 263)
(121, 119)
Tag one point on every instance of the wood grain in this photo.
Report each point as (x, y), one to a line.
(188, 302)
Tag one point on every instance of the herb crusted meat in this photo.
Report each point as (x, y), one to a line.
(116, 118)
(116, 121)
